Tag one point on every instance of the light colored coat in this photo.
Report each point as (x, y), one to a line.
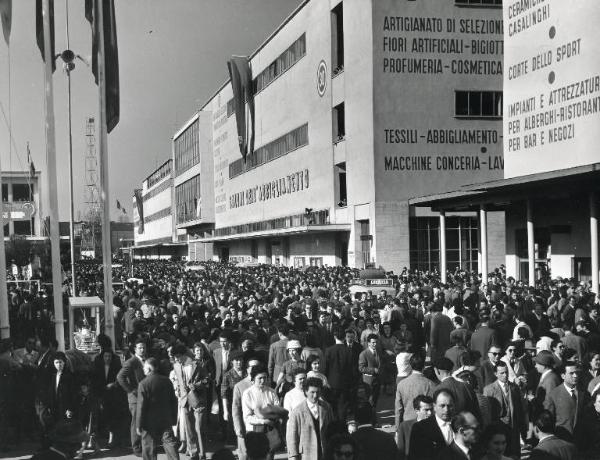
(301, 437)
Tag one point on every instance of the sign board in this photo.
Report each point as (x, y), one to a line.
(18, 210)
(381, 282)
(551, 85)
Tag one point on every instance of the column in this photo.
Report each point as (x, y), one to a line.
(530, 243)
(594, 242)
(484, 250)
(443, 257)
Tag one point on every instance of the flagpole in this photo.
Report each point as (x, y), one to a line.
(68, 68)
(59, 322)
(4, 313)
(109, 328)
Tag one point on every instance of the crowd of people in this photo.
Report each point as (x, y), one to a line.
(279, 359)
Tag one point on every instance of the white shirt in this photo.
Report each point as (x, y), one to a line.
(314, 409)
(293, 398)
(446, 430)
(253, 400)
(58, 375)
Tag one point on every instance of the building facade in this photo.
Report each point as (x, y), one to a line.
(551, 113)
(21, 203)
(359, 106)
(155, 234)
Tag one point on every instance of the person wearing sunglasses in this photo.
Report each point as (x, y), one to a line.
(487, 371)
(466, 429)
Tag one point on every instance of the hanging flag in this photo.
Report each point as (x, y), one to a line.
(31, 169)
(242, 85)
(118, 204)
(39, 30)
(139, 203)
(111, 56)
(6, 18)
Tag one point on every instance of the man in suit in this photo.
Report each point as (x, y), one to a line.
(222, 358)
(129, 377)
(486, 374)
(185, 369)
(372, 442)
(341, 370)
(278, 352)
(43, 375)
(465, 429)
(441, 327)
(431, 435)
(550, 447)
(484, 337)
(306, 433)
(369, 365)
(510, 411)
(236, 408)
(423, 407)
(549, 380)
(409, 388)
(464, 396)
(156, 412)
(324, 331)
(566, 401)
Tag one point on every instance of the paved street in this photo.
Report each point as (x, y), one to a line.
(385, 417)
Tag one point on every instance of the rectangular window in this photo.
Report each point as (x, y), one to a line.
(298, 262)
(22, 227)
(230, 108)
(187, 148)
(479, 104)
(285, 61)
(342, 193)
(337, 39)
(279, 147)
(20, 192)
(339, 123)
(496, 3)
(316, 261)
(188, 200)
(461, 243)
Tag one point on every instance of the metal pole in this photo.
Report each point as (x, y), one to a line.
(484, 245)
(71, 205)
(530, 244)
(109, 327)
(59, 322)
(443, 259)
(594, 242)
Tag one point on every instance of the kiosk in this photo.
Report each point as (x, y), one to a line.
(88, 340)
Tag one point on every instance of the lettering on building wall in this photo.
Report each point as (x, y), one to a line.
(550, 117)
(291, 183)
(220, 164)
(525, 14)
(456, 52)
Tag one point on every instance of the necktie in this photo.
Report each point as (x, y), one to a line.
(574, 396)
(449, 435)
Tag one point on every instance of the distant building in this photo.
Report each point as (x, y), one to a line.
(156, 235)
(21, 203)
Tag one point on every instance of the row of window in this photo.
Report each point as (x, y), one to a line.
(152, 193)
(478, 2)
(187, 196)
(462, 243)
(160, 174)
(287, 59)
(20, 192)
(187, 148)
(279, 147)
(478, 104)
(297, 220)
(158, 215)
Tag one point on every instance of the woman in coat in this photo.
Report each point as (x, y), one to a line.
(110, 394)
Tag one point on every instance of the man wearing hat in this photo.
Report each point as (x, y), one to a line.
(464, 397)
(544, 364)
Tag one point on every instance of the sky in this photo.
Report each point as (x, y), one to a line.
(172, 58)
